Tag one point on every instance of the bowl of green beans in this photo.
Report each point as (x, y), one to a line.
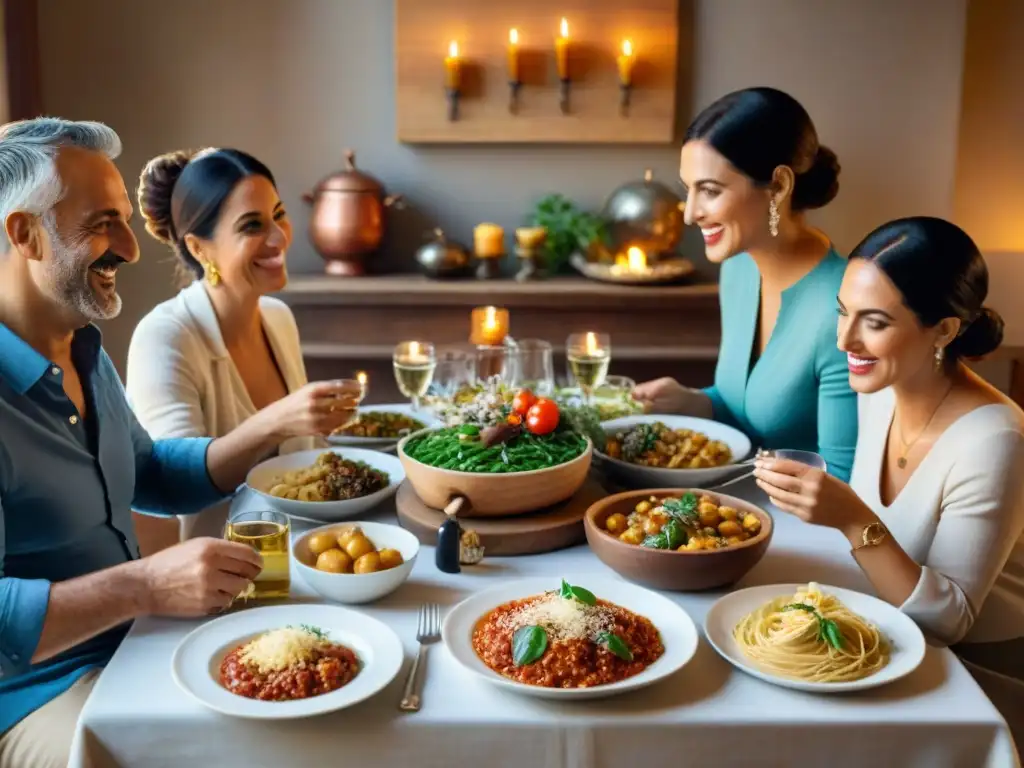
(524, 474)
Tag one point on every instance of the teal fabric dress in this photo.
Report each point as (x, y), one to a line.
(797, 394)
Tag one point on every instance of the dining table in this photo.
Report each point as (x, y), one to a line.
(709, 713)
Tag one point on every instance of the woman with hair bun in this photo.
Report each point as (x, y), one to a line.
(222, 354)
(752, 166)
(934, 512)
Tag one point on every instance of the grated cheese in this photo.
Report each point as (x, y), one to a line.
(281, 648)
(561, 618)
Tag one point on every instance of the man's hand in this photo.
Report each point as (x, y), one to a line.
(197, 577)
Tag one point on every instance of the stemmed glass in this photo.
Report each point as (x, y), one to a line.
(535, 366)
(455, 369)
(589, 355)
(414, 363)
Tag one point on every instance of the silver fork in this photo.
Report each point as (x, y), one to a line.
(428, 632)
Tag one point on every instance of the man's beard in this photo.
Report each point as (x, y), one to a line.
(69, 274)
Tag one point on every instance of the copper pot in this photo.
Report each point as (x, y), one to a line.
(347, 221)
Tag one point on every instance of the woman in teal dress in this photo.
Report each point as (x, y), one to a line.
(752, 166)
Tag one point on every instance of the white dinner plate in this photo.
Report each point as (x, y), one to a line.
(905, 638)
(677, 630)
(637, 476)
(262, 476)
(383, 443)
(195, 664)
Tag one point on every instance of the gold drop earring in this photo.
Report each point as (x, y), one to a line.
(773, 218)
(212, 273)
(940, 354)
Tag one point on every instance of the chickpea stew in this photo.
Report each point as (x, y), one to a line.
(349, 551)
(686, 523)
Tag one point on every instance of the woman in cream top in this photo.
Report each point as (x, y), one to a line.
(935, 510)
(221, 352)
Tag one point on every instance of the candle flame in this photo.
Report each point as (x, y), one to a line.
(565, 28)
(513, 36)
(636, 259)
(490, 318)
(414, 349)
(453, 49)
(591, 343)
(361, 377)
(627, 48)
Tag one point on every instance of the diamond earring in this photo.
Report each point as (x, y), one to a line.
(940, 354)
(773, 218)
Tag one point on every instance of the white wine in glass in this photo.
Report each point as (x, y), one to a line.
(589, 355)
(414, 363)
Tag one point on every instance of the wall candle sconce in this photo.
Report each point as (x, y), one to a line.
(626, 61)
(514, 83)
(562, 58)
(452, 79)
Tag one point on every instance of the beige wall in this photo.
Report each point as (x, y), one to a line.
(297, 81)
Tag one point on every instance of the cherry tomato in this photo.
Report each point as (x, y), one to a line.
(542, 417)
(523, 400)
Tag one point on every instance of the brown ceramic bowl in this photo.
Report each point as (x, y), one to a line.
(667, 569)
(494, 495)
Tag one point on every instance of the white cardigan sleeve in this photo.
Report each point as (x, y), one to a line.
(162, 386)
(981, 518)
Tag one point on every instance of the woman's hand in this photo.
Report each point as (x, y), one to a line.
(318, 408)
(812, 495)
(666, 395)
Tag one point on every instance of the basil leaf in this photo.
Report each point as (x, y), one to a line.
(583, 595)
(528, 645)
(683, 508)
(657, 541)
(615, 644)
(832, 634)
(675, 535)
(566, 590)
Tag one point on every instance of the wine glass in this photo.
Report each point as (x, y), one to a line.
(455, 369)
(589, 355)
(497, 362)
(347, 405)
(414, 363)
(535, 366)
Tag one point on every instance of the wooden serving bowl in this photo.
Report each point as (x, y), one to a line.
(668, 569)
(494, 495)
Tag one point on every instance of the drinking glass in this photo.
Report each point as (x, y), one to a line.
(414, 363)
(589, 355)
(497, 361)
(455, 369)
(535, 367)
(810, 458)
(347, 405)
(265, 531)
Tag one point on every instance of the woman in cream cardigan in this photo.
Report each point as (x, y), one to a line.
(220, 352)
(934, 512)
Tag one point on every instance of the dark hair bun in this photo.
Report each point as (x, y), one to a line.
(156, 185)
(819, 184)
(982, 336)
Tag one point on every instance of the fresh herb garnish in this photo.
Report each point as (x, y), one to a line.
(315, 631)
(615, 644)
(569, 592)
(828, 630)
(683, 509)
(470, 430)
(638, 441)
(672, 536)
(528, 644)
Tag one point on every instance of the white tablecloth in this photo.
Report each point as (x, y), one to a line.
(709, 714)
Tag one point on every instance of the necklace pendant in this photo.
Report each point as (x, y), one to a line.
(901, 462)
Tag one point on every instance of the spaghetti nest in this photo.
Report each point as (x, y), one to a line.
(812, 636)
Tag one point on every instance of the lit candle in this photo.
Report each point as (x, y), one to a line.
(452, 67)
(363, 380)
(414, 355)
(488, 241)
(513, 55)
(489, 326)
(562, 51)
(626, 61)
(636, 259)
(590, 345)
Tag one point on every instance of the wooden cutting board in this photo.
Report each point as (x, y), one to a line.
(555, 527)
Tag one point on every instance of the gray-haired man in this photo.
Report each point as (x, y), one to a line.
(73, 459)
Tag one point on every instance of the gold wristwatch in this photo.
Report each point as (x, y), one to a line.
(872, 535)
